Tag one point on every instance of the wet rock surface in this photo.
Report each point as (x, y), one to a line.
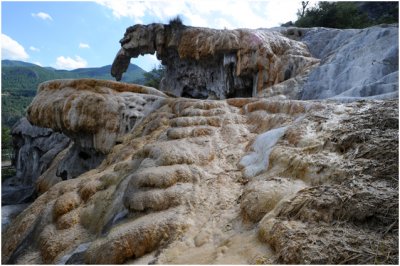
(9, 212)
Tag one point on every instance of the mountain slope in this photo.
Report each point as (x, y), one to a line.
(135, 73)
(19, 81)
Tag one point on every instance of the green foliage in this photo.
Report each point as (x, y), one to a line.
(13, 108)
(7, 173)
(134, 74)
(348, 14)
(6, 140)
(20, 81)
(153, 78)
(6, 143)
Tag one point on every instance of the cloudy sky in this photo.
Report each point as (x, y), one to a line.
(69, 35)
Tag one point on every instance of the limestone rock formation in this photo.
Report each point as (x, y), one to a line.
(237, 181)
(216, 64)
(147, 178)
(34, 151)
(355, 64)
(93, 113)
(316, 63)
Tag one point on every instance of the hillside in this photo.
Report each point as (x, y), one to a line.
(20, 80)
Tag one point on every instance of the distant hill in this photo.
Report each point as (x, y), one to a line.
(19, 82)
(134, 73)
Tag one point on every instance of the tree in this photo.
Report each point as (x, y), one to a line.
(347, 14)
(304, 5)
(6, 143)
(153, 78)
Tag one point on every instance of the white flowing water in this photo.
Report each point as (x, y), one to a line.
(81, 248)
(258, 160)
(9, 212)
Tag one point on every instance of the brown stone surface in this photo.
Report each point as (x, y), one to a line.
(190, 183)
(210, 63)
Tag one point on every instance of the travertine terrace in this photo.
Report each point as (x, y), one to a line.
(146, 177)
(177, 187)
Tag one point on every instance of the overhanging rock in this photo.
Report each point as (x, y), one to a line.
(216, 64)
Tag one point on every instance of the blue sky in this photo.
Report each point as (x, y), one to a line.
(69, 35)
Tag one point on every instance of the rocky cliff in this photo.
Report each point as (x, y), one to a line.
(216, 64)
(294, 63)
(234, 181)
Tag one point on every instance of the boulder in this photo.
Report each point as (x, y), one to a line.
(93, 113)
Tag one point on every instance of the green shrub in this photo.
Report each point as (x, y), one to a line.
(348, 14)
(153, 78)
(6, 143)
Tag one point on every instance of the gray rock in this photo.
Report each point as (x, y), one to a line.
(77, 161)
(34, 150)
(8, 213)
(75, 257)
(355, 64)
(213, 78)
(17, 194)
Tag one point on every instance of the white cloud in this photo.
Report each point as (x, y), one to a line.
(42, 15)
(70, 63)
(11, 49)
(84, 45)
(32, 48)
(221, 23)
(198, 20)
(38, 63)
(214, 14)
(132, 9)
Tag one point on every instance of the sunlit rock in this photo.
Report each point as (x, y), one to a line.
(251, 180)
(176, 187)
(216, 64)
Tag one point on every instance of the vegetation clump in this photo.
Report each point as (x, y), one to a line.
(153, 78)
(176, 22)
(344, 15)
(6, 143)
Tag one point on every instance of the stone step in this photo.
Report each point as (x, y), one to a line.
(157, 199)
(165, 176)
(187, 132)
(184, 151)
(199, 112)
